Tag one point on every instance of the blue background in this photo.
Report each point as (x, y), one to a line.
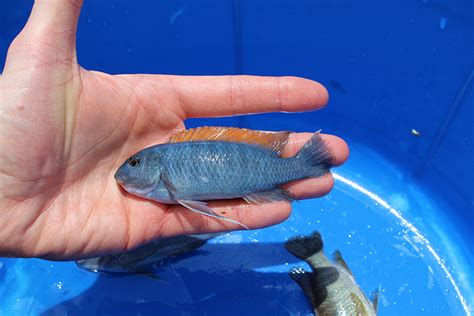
(390, 67)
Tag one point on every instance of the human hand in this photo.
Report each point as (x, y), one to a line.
(64, 131)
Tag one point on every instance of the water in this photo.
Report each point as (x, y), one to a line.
(389, 231)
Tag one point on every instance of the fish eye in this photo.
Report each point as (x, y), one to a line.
(133, 161)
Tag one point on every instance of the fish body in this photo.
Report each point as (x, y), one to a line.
(330, 287)
(142, 259)
(213, 163)
(220, 170)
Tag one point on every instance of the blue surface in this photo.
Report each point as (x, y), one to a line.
(402, 210)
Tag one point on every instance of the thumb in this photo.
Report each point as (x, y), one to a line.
(48, 36)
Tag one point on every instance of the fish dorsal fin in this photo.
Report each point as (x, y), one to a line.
(337, 257)
(274, 141)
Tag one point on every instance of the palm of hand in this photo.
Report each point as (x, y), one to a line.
(64, 132)
(60, 165)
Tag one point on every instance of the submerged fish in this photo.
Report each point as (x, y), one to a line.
(212, 163)
(143, 259)
(330, 287)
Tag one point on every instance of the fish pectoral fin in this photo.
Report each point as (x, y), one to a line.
(275, 195)
(375, 299)
(168, 184)
(303, 279)
(203, 209)
(337, 257)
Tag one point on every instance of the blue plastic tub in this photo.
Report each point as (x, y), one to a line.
(400, 75)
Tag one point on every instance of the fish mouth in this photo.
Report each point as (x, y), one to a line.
(134, 188)
(119, 177)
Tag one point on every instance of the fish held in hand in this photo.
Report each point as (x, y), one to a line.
(214, 163)
(330, 287)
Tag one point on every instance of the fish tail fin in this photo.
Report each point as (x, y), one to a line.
(315, 157)
(304, 247)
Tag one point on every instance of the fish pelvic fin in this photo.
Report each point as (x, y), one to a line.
(304, 247)
(275, 195)
(203, 209)
(315, 157)
(274, 141)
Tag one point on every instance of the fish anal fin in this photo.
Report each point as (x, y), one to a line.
(274, 141)
(337, 257)
(275, 195)
(203, 209)
(304, 278)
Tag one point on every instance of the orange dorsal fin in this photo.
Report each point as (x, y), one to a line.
(274, 141)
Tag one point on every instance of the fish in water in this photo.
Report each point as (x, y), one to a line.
(330, 287)
(213, 163)
(143, 259)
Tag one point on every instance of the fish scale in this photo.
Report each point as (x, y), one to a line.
(234, 169)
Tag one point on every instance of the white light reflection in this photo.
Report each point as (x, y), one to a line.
(413, 229)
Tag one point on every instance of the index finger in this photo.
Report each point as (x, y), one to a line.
(211, 96)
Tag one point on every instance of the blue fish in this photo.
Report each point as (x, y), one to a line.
(214, 163)
(143, 259)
